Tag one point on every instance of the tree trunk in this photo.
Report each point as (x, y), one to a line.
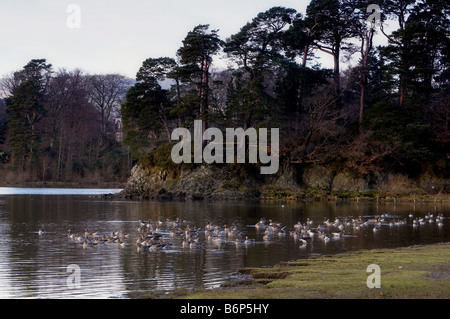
(336, 73)
(368, 46)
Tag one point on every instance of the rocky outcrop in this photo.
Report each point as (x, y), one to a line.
(205, 181)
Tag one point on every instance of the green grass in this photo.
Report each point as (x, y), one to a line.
(411, 272)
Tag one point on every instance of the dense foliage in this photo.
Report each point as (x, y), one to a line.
(57, 126)
(386, 112)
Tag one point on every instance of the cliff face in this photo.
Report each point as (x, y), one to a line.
(245, 182)
(205, 181)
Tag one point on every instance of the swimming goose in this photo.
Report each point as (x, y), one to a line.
(261, 224)
(218, 241)
(70, 235)
(238, 243)
(337, 234)
(143, 223)
(87, 244)
(273, 224)
(185, 243)
(249, 241)
(195, 244)
(41, 232)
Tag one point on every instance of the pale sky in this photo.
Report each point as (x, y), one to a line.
(115, 36)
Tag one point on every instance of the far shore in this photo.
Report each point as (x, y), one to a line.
(353, 197)
(114, 185)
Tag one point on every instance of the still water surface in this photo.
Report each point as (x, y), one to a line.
(35, 266)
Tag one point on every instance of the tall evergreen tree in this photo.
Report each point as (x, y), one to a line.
(197, 52)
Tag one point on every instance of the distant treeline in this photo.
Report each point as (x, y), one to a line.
(387, 112)
(58, 126)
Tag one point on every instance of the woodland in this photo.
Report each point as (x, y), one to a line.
(379, 116)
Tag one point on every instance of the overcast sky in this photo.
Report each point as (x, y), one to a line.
(114, 35)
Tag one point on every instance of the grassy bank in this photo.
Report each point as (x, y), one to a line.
(411, 272)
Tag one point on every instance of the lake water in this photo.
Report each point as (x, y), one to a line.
(34, 265)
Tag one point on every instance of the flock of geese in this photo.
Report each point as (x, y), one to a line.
(90, 239)
(327, 230)
(170, 234)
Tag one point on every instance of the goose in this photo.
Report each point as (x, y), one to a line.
(154, 248)
(311, 232)
(337, 234)
(87, 233)
(261, 224)
(281, 232)
(249, 241)
(139, 247)
(143, 223)
(336, 222)
(303, 242)
(328, 222)
(273, 224)
(298, 226)
(238, 243)
(326, 239)
(87, 244)
(218, 241)
(41, 232)
(195, 244)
